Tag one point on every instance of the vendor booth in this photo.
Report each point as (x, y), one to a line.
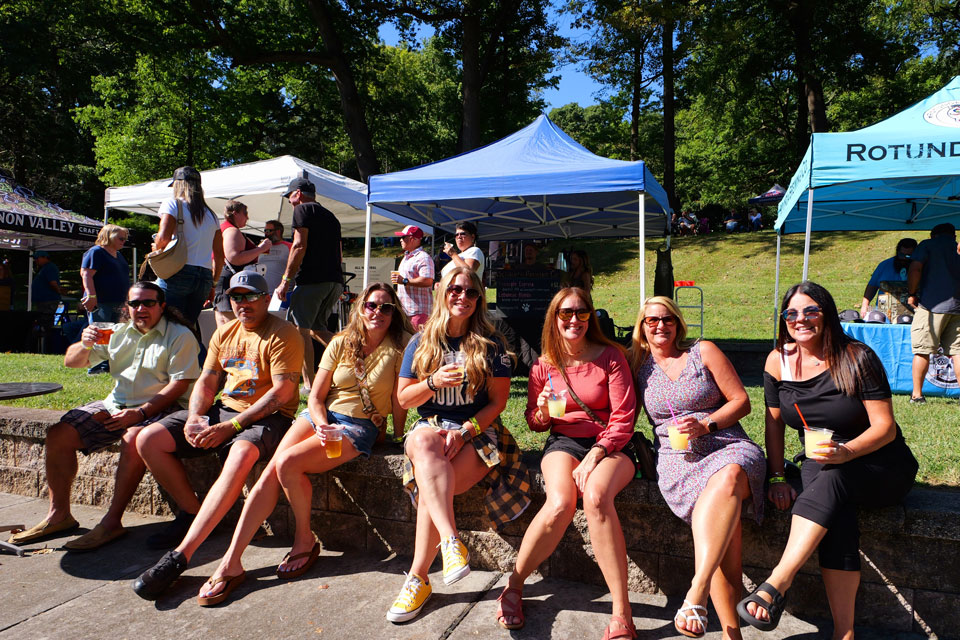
(900, 174)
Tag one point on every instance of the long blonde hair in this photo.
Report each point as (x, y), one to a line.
(551, 342)
(191, 192)
(355, 333)
(640, 349)
(108, 232)
(476, 343)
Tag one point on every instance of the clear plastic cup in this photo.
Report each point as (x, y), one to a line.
(197, 426)
(104, 331)
(812, 439)
(333, 441)
(679, 440)
(557, 404)
(458, 358)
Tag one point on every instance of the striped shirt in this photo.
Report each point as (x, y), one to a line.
(416, 300)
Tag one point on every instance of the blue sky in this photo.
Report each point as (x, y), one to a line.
(575, 85)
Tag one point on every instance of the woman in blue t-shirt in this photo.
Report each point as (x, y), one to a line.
(105, 275)
(459, 439)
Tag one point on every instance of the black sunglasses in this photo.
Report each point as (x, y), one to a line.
(653, 321)
(791, 315)
(582, 314)
(149, 304)
(386, 308)
(248, 297)
(457, 290)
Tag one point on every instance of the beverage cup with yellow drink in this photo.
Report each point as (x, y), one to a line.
(104, 331)
(812, 440)
(557, 404)
(458, 358)
(678, 439)
(332, 440)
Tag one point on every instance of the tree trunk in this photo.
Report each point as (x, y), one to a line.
(471, 81)
(669, 124)
(635, 101)
(800, 16)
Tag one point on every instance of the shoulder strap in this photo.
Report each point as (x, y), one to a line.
(576, 398)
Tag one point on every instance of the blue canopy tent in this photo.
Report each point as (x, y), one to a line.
(535, 183)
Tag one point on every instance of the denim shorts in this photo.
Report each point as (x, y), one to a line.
(361, 432)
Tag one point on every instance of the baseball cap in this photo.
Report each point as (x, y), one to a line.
(300, 184)
(410, 230)
(41, 254)
(185, 173)
(904, 318)
(248, 281)
(876, 317)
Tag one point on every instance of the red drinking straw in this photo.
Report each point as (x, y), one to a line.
(802, 419)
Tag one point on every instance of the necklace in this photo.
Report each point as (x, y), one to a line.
(666, 369)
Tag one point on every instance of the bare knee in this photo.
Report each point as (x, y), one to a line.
(424, 442)
(63, 436)
(560, 508)
(154, 439)
(598, 500)
(243, 455)
(730, 479)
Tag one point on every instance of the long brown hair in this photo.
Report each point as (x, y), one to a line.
(355, 333)
(191, 192)
(552, 344)
(639, 347)
(479, 339)
(847, 359)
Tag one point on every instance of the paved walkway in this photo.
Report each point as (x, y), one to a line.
(54, 594)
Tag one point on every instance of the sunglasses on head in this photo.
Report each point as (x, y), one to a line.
(653, 321)
(791, 315)
(149, 304)
(457, 290)
(582, 314)
(386, 308)
(245, 297)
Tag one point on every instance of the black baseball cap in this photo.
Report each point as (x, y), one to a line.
(300, 184)
(185, 173)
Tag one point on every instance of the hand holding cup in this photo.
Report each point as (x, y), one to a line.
(194, 426)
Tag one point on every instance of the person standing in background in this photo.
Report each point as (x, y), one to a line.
(414, 277)
(105, 275)
(274, 261)
(239, 253)
(466, 254)
(45, 290)
(890, 270)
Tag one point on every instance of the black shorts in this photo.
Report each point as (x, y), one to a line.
(578, 447)
(265, 434)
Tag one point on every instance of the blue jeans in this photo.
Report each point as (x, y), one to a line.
(188, 289)
(105, 312)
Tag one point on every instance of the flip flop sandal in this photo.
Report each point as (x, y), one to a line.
(774, 609)
(511, 606)
(311, 557)
(43, 530)
(229, 584)
(694, 616)
(629, 631)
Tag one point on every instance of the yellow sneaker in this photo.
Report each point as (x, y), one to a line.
(413, 596)
(456, 560)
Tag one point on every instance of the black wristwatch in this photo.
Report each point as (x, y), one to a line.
(405, 281)
(712, 425)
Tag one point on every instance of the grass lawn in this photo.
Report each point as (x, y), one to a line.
(930, 429)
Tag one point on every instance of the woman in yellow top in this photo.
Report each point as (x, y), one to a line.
(355, 387)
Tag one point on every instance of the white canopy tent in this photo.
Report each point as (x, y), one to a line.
(261, 185)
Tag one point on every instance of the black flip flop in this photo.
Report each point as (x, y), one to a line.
(774, 609)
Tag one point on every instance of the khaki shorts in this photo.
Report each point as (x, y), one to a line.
(930, 331)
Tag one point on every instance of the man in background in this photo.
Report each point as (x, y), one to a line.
(890, 270)
(414, 277)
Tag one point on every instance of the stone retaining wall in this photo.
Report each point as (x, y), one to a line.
(911, 577)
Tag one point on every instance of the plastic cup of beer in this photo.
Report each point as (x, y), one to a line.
(104, 331)
(812, 439)
(333, 441)
(458, 358)
(678, 439)
(398, 278)
(557, 404)
(197, 426)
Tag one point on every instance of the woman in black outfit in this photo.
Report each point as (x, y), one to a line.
(838, 383)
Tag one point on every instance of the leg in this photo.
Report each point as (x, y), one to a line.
(841, 587)
(63, 442)
(130, 471)
(606, 535)
(309, 371)
(715, 517)
(547, 528)
(157, 449)
(224, 492)
(309, 456)
(920, 365)
(727, 584)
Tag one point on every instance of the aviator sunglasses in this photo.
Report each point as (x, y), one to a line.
(245, 297)
(653, 321)
(386, 308)
(457, 290)
(582, 314)
(148, 304)
(791, 315)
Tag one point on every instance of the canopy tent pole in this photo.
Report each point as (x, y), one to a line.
(30, 281)
(806, 240)
(366, 245)
(134, 263)
(776, 290)
(643, 237)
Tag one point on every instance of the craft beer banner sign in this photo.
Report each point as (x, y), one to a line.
(21, 211)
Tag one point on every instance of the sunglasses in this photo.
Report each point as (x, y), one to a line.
(582, 314)
(653, 321)
(791, 315)
(461, 234)
(386, 308)
(149, 304)
(457, 290)
(245, 297)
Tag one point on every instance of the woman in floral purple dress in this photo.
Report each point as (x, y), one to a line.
(706, 483)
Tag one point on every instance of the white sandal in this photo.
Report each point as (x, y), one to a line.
(693, 617)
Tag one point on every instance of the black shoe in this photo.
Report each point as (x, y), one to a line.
(173, 533)
(103, 367)
(920, 400)
(155, 580)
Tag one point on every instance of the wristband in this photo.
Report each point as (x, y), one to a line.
(91, 296)
(430, 384)
(286, 279)
(602, 448)
(776, 479)
(143, 414)
(465, 434)
(86, 347)
(236, 424)
(476, 425)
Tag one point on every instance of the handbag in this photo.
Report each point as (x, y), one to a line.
(167, 262)
(642, 447)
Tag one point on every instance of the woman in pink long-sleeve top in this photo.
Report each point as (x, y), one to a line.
(586, 454)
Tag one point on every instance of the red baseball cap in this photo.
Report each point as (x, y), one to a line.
(410, 230)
